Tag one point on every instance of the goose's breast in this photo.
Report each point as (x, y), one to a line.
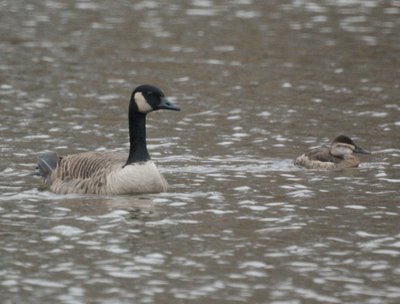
(136, 178)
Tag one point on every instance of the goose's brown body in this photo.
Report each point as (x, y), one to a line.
(105, 174)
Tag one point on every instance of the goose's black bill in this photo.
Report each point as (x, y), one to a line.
(167, 105)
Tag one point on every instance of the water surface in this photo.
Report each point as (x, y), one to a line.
(258, 83)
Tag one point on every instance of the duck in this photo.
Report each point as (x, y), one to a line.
(112, 173)
(338, 156)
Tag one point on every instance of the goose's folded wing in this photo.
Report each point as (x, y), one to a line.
(88, 165)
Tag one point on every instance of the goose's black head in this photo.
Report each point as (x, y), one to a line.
(147, 98)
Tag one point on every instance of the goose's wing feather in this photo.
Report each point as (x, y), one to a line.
(88, 165)
(85, 172)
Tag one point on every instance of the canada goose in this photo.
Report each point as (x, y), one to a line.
(339, 155)
(112, 173)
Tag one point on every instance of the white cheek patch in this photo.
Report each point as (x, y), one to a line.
(141, 103)
(342, 149)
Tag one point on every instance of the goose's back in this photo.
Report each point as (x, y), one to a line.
(84, 172)
(88, 164)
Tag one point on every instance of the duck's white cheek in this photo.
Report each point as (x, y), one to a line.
(141, 103)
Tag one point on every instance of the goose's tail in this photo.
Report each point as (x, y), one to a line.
(47, 163)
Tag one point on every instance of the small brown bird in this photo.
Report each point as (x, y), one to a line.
(338, 156)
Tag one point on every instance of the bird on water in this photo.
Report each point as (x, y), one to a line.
(107, 173)
(338, 156)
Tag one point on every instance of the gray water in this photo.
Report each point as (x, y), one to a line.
(258, 82)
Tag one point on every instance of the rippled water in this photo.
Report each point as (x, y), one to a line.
(258, 82)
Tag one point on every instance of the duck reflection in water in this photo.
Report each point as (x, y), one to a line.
(338, 156)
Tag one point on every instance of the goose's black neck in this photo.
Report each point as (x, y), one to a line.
(137, 134)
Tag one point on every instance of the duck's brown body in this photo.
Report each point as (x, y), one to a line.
(338, 156)
(322, 159)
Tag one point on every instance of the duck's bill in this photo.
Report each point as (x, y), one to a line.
(360, 150)
(167, 105)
